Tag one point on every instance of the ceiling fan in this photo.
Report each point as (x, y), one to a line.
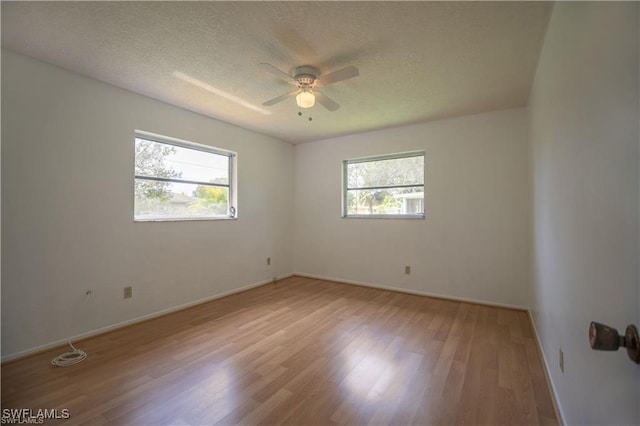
(307, 79)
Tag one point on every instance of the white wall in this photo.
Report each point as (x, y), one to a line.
(67, 209)
(584, 137)
(474, 242)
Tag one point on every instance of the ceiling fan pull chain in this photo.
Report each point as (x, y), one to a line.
(300, 115)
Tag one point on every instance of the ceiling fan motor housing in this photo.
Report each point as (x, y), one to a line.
(305, 76)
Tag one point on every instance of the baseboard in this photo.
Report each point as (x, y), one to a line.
(102, 330)
(552, 388)
(416, 292)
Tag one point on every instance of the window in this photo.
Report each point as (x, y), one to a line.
(389, 186)
(177, 180)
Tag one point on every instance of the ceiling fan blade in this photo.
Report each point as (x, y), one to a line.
(334, 77)
(279, 98)
(326, 102)
(275, 71)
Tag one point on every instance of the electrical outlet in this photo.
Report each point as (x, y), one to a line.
(407, 270)
(561, 360)
(268, 261)
(128, 292)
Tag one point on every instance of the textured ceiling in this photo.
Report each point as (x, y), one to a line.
(418, 61)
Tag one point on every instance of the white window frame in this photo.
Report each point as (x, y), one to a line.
(232, 179)
(345, 188)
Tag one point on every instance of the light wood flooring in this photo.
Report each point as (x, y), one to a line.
(300, 352)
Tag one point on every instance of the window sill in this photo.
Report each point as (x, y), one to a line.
(181, 219)
(384, 216)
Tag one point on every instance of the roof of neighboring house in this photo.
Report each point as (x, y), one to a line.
(182, 199)
(410, 195)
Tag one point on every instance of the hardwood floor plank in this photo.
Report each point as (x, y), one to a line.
(301, 352)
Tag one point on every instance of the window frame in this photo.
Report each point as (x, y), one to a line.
(395, 156)
(232, 211)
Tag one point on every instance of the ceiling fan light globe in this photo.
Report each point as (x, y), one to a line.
(305, 99)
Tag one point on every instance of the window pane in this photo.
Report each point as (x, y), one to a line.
(162, 160)
(391, 172)
(158, 200)
(389, 201)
